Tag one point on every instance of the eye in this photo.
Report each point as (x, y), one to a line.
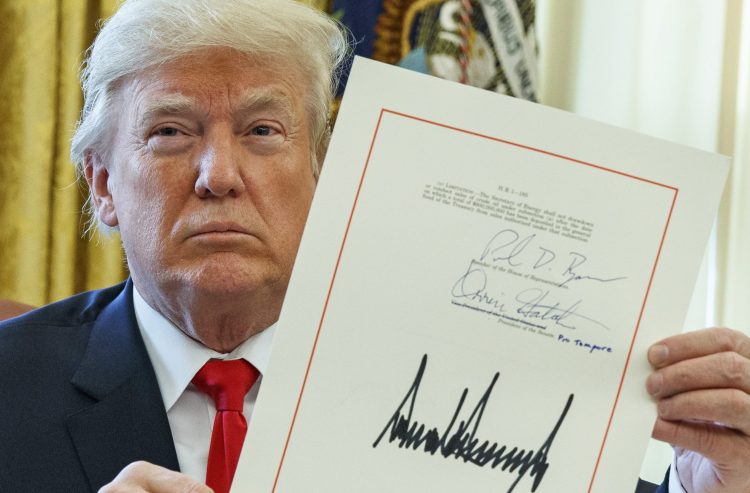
(262, 130)
(167, 132)
(265, 136)
(169, 137)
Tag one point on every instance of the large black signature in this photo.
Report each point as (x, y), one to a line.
(459, 439)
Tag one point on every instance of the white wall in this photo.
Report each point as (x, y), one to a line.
(654, 66)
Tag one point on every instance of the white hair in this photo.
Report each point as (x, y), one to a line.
(144, 33)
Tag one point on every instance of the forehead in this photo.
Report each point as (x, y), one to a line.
(216, 78)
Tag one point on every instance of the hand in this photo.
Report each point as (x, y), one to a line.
(702, 384)
(142, 477)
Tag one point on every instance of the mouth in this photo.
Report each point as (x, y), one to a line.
(220, 229)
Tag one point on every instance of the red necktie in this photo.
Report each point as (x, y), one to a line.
(226, 382)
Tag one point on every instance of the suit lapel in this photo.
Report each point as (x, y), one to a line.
(128, 422)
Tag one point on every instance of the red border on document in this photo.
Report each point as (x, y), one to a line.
(515, 144)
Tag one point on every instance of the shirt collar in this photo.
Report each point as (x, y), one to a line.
(176, 358)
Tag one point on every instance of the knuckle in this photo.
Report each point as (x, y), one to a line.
(735, 369)
(743, 343)
(726, 339)
(124, 481)
(730, 339)
(737, 403)
(136, 466)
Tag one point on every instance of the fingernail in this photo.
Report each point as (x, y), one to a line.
(658, 354)
(654, 383)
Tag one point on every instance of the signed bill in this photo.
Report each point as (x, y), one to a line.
(473, 297)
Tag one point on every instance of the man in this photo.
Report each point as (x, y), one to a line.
(201, 136)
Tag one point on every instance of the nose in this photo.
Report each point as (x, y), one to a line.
(219, 168)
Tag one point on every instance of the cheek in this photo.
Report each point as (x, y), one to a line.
(299, 198)
(140, 228)
(148, 203)
(301, 209)
(288, 208)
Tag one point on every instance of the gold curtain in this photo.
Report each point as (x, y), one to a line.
(318, 4)
(43, 254)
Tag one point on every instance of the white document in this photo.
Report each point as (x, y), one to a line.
(474, 295)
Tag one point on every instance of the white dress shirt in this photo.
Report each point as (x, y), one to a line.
(176, 359)
(675, 486)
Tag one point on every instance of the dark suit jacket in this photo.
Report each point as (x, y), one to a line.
(646, 487)
(79, 398)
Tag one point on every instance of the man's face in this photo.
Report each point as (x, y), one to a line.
(209, 175)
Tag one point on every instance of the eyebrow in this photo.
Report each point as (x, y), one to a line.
(170, 104)
(266, 99)
(253, 99)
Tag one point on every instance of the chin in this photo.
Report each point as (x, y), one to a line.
(228, 277)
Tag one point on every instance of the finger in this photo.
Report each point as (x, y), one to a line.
(144, 477)
(730, 407)
(167, 481)
(722, 445)
(696, 344)
(716, 371)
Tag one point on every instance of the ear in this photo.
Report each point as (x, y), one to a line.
(97, 176)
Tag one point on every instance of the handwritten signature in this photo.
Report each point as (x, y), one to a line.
(531, 306)
(508, 247)
(459, 439)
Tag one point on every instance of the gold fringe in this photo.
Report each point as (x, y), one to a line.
(387, 45)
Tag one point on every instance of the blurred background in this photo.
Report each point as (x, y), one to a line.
(674, 69)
